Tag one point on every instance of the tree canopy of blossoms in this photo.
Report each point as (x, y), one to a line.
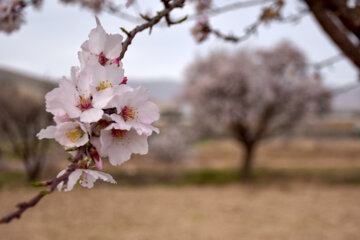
(97, 116)
(254, 94)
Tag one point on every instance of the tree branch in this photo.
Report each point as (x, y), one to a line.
(336, 31)
(150, 23)
(327, 62)
(51, 185)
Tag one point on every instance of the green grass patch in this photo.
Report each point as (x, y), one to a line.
(12, 179)
(201, 177)
(343, 176)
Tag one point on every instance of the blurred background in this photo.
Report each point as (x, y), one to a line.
(259, 139)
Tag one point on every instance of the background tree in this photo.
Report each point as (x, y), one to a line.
(255, 94)
(21, 119)
(171, 146)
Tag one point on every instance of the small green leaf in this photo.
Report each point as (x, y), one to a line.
(145, 17)
(70, 149)
(38, 184)
(124, 30)
(182, 20)
(44, 192)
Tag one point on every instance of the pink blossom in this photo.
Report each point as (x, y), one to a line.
(134, 110)
(101, 47)
(85, 177)
(68, 134)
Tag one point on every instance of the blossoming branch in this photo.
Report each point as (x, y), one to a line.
(97, 116)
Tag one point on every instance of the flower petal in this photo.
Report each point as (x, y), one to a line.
(48, 132)
(97, 39)
(91, 115)
(113, 46)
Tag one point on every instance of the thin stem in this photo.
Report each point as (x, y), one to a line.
(149, 24)
(51, 185)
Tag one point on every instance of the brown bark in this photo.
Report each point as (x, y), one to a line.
(247, 164)
(335, 27)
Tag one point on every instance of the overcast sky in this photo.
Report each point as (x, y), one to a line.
(47, 44)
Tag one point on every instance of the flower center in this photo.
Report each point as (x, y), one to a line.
(118, 133)
(74, 135)
(102, 59)
(104, 85)
(128, 113)
(85, 103)
(83, 178)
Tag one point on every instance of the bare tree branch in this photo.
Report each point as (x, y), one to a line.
(150, 23)
(327, 62)
(230, 7)
(52, 184)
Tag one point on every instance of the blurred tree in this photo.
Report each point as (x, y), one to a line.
(171, 146)
(21, 119)
(254, 94)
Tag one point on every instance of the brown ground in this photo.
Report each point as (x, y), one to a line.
(274, 153)
(289, 210)
(231, 212)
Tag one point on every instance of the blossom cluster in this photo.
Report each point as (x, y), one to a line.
(95, 5)
(11, 15)
(201, 29)
(202, 5)
(95, 109)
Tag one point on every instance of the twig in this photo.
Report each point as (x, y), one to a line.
(149, 24)
(263, 18)
(230, 7)
(117, 11)
(52, 184)
(327, 62)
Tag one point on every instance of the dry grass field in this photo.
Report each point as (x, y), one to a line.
(283, 209)
(231, 212)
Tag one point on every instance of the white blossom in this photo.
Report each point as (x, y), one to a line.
(118, 144)
(96, 112)
(101, 47)
(134, 110)
(68, 134)
(84, 177)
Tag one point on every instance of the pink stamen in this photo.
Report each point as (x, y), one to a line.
(116, 61)
(118, 133)
(124, 81)
(102, 59)
(84, 104)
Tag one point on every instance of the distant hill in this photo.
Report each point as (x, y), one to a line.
(26, 84)
(160, 90)
(347, 99)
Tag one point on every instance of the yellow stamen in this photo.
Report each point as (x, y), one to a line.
(74, 135)
(104, 85)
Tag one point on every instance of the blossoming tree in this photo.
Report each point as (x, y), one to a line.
(254, 94)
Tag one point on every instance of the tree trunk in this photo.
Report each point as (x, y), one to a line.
(33, 169)
(246, 168)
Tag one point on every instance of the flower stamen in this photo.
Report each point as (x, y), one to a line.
(74, 135)
(129, 113)
(104, 85)
(118, 133)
